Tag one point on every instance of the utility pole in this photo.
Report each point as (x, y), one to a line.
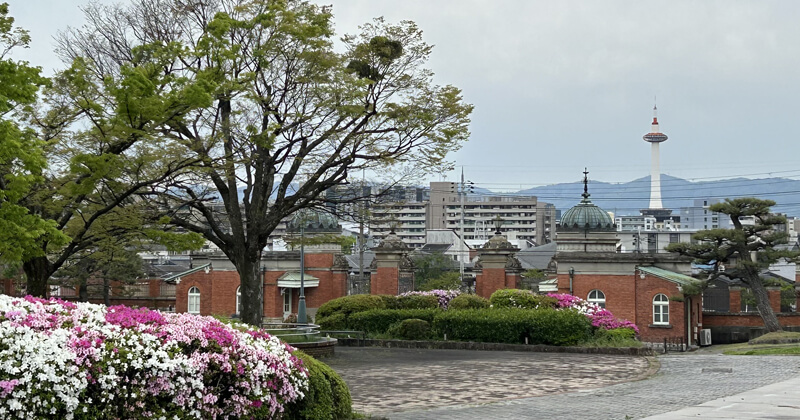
(461, 193)
(464, 187)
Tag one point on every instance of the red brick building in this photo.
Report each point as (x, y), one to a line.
(651, 290)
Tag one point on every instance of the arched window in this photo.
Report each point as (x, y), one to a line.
(239, 300)
(661, 309)
(598, 298)
(194, 300)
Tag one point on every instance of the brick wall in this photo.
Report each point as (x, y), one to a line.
(489, 280)
(630, 297)
(385, 281)
(646, 290)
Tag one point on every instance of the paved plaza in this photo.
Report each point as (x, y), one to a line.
(463, 384)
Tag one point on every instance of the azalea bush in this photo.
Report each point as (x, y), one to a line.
(84, 361)
(517, 298)
(443, 296)
(599, 316)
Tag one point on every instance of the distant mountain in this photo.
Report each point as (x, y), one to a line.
(628, 198)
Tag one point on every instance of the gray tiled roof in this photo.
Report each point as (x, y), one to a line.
(537, 257)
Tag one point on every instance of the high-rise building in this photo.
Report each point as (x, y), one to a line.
(525, 218)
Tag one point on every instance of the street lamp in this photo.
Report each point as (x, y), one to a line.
(571, 276)
(300, 219)
(498, 221)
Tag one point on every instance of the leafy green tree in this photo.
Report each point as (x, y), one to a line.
(746, 250)
(449, 280)
(428, 267)
(106, 265)
(285, 116)
(70, 163)
(22, 157)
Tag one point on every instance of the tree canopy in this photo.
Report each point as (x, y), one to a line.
(745, 251)
(22, 157)
(255, 93)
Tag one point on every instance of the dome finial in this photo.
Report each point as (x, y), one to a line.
(585, 184)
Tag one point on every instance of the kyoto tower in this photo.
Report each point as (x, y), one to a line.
(655, 137)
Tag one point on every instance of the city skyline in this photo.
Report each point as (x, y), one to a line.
(560, 87)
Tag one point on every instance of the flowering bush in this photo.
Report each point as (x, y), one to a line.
(66, 360)
(517, 298)
(444, 296)
(600, 317)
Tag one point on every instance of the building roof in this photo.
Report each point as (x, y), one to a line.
(678, 278)
(538, 257)
(440, 248)
(353, 260)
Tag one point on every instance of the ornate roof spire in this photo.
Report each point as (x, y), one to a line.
(585, 194)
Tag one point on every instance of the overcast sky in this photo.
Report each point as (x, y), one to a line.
(559, 85)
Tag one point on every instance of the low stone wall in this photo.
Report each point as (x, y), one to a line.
(319, 349)
(469, 345)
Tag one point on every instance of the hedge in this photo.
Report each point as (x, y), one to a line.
(417, 302)
(336, 321)
(350, 304)
(379, 320)
(468, 302)
(517, 298)
(410, 329)
(512, 325)
(327, 398)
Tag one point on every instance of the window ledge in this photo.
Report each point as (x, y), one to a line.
(660, 326)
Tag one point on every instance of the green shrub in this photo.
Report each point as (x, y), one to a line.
(327, 398)
(516, 298)
(379, 320)
(512, 325)
(468, 302)
(410, 329)
(350, 304)
(617, 337)
(390, 301)
(333, 322)
(417, 302)
(616, 333)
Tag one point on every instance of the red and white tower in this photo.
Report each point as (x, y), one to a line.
(655, 137)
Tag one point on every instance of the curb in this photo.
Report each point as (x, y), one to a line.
(469, 345)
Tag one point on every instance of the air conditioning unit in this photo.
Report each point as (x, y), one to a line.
(705, 337)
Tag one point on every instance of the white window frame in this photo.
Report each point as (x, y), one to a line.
(597, 297)
(660, 309)
(239, 300)
(193, 306)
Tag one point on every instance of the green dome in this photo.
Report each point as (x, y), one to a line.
(586, 216)
(313, 221)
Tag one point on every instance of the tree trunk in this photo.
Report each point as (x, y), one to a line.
(106, 292)
(252, 288)
(37, 271)
(764, 308)
(83, 291)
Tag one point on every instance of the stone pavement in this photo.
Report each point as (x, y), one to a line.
(456, 384)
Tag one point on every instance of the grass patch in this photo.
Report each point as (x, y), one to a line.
(777, 338)
(765, 351)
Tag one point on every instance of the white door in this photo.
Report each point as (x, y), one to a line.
(287, 302)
